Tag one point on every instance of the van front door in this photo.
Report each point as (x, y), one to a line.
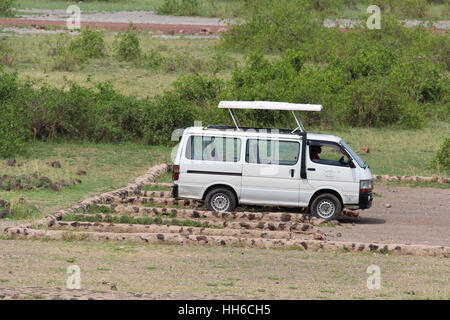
(271, 172)
(328, 166)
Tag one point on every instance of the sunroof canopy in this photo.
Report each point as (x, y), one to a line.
(269, 105)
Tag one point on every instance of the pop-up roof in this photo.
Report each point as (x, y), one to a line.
(269, 105)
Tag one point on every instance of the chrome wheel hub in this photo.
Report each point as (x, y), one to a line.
(220, 202)
(325, 209)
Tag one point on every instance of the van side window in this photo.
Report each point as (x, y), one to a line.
(272, 152)
(328, 153)
(213, 148)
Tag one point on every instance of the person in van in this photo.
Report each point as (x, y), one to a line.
(314, 153)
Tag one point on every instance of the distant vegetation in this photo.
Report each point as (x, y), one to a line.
(392, 77)
(442, 157)
(5, 7)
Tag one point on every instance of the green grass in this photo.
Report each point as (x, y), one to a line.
(130, 5)
(32, 62)
(129, 219)
(394, 151)
(165, 178)
(155, 188)
(108, 167)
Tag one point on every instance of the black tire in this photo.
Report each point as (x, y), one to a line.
(326, 206)
(220, 200)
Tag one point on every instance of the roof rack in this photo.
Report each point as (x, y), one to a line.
(269, 105)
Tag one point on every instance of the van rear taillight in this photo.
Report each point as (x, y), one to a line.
(176, 173)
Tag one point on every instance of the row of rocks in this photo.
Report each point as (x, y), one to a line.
(176, 238)
(33, 181)
(411, 178)
(210, 236)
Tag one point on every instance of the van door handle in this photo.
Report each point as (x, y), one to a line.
(311, 169)
(292, 172)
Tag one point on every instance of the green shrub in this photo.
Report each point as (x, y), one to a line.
(18, 210)
(442, 157)
(14, 125)
(90, 43)
(5, 7)
(405, 8)
(127, 45)
(6, 53)
(71, 53)
(179, 8)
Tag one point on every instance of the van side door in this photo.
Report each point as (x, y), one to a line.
(271, 172)
(329, 166)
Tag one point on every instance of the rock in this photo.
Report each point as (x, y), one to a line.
(54, 187)
(54, 164)
(62, 183)
(160, 236)
(317, 221)
(338, 234)
(45, 180)
(4, 203)
(388, 205)
(365, 150)
(412, 293)
(11, 162)
(80, 172)
(4, 213)
(318, 236)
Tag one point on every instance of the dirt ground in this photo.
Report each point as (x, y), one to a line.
(415, 216)
(36, 269)
(125, 270)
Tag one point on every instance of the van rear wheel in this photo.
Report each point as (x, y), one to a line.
(220, 200)
(326, 206)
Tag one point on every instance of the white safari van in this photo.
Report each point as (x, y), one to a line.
(228, 166)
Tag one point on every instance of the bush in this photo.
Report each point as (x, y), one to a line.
(89, 43)
(442, 157)
(71, 53)
(127, 45)
(179, 8)
(14, 128)
(5, 7)
(6, 54)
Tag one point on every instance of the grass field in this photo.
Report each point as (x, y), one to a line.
(244, 272)
(108, 167)
(32, 62)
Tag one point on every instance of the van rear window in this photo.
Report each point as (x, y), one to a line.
(272, 152)
(211, 148)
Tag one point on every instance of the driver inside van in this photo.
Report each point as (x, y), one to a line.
(314, 153)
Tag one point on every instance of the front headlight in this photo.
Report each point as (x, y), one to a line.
(365, 185)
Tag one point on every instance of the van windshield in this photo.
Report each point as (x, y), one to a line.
(361, 163)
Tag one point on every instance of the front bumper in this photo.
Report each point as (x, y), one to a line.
(365, 199)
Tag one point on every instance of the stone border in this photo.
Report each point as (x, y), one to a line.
(386, 177)
(27, 232)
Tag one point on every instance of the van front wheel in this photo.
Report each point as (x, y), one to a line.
(220, 200)
(326, 206)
